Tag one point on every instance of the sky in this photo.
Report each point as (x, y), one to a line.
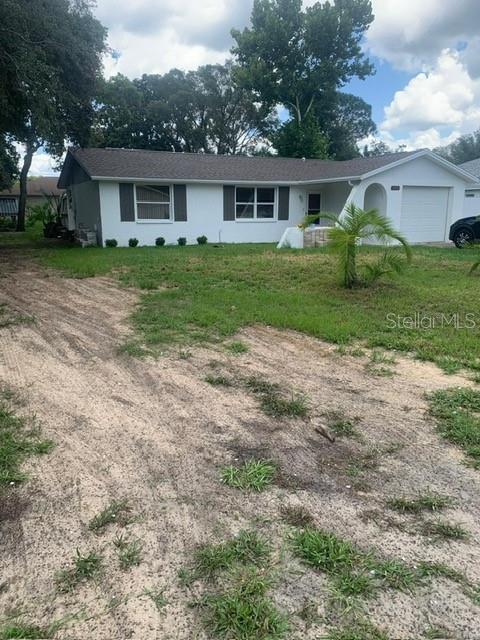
(425, 93)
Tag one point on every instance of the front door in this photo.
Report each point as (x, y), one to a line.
(314, 206)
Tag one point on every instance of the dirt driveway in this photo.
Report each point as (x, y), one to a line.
(155, 433)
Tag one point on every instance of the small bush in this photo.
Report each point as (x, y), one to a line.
(111, 242)
(133, 242)
(159, 242)
(182, 242)
(202, 239)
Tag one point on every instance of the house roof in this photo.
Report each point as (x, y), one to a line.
(136, 164)
(36, 187)
(473, 166)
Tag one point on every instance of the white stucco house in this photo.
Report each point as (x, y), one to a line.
(472, 194)
(122, 194)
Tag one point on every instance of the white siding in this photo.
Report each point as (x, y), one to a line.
(205, 217)
(471, 205)
(421, 172)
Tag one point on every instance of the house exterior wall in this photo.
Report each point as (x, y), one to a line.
(204, 217)
(471, 204)
(420, 172)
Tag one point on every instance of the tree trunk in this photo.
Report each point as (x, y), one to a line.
(22, 201)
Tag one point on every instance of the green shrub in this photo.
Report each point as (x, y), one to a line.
(202, 239)
(182, 242)
(111, 242)
(132, 242)
(7, 224)
(159, 242)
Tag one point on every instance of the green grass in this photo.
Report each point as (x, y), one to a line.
(254, 475)
(157, 596)
(129, 552)
(275, 401)
(25, 631)
(341, 425)
(424, 502)
(218, 380)
(361, 630)
(247, 548)
(237, 347)
(118, 511)
(19, 439)
(445, 530)
(206, 294)
(244, 611)
(84, 568)
(457, 412)
(296, 516)
(9, 317)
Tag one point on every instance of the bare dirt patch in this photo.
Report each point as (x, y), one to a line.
(156, 434)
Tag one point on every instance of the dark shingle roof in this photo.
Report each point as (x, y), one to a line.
(473, 166)
(142, 164)
(36, 187)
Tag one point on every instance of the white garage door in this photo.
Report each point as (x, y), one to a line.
(424, 213)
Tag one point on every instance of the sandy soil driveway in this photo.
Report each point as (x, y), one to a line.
(156, 433)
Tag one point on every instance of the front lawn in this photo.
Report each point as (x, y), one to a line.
(209, 292)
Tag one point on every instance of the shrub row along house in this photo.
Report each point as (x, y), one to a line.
(123, 193)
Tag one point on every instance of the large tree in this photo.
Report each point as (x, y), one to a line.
(466, 148)
(302, 58)
(202, 110)
(53, 50)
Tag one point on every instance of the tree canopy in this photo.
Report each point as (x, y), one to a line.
(203, 110)
(466, 148)
(50, 63)
(302, 58)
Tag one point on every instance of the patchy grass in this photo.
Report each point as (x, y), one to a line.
(457, 412)
(25, 631)
(157, 596)
(361, 630)
(218, 380)
(424, 502)
(244, 610)
(19, 439)
(129, 552)
(341, 425)
(208, 295)
(274, 401)
(9, 317)
(296, 516)
(254, 475)
(247, 548)
(237, 347)
(85, 567)
(443, 530)
(118, 511)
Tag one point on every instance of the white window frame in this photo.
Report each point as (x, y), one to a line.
(255, 203)
(170, 219)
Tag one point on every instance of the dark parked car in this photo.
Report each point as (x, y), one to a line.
(465, 231)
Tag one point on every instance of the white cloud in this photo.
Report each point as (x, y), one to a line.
(444, 96)
(152, 36)
(412, 33)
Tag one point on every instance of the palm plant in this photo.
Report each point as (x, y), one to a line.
(355, 225)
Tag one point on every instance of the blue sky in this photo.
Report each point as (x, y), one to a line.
(426, 91)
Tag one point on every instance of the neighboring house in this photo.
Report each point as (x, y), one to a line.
(38, 189)
(122, 193)
(472, 194)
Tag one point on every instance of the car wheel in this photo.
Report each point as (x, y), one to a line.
(463, 237)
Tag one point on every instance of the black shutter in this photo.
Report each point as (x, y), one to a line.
(180, 202)
(228, 202)
(127, 202)
(283, 202)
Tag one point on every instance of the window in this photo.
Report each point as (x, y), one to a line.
(255, 203)
(153, 202)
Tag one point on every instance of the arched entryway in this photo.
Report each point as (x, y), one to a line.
(376, 198)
